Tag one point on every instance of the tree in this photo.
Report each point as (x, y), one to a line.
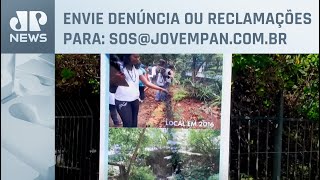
(129, 143)
(129, 150)
(204, 145)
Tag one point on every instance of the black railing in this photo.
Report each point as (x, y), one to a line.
(253, 148)
(77, 140)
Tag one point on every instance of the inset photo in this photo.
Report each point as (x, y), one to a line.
(77, 115)
(165, 90)
(157, 153)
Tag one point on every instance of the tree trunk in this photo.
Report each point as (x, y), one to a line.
(195, 68)
(194, 73)
(135, 153)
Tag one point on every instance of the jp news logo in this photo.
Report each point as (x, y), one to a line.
(27, 26)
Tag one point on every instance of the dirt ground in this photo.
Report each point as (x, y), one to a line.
(187, 113)
(196, 112)
(146, 109)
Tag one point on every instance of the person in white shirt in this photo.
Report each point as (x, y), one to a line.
(126, 97)
(153, 73)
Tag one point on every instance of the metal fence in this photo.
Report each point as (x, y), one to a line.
(255, 152)
(77, 140)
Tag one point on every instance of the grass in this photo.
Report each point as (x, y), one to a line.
(180, 94)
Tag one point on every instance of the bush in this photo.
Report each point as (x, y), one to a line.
(258, 81)
(209, 92)
(77, 72)
(144, 173)
(180, 94)
(214, 177)
(197, 172)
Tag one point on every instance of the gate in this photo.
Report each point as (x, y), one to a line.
(274, 148)
(253, 151)
(77, 140)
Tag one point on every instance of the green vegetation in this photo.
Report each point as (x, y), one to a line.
(95, 84)
(153, 153)
(67, 74)
(144, 173)
(197, 74)
(260, 84)
(260, 78)
(205, 141)
(77, 72)
(180, 94)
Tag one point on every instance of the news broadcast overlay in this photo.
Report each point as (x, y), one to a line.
(27, 116)
(211, 91)
(39, 27)
(174, 27)
(28, 26)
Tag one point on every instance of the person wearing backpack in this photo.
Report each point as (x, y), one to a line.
(170, 76)
(153, 73)
(161, 80)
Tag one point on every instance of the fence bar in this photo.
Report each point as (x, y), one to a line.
(249, 141)
(295, 154)
(239, 147)
(74, 140)
(310, 158)
(267, 149)
(317, 158)
(304, 148)
(276, 173)
(288, 151)
(257, 161)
